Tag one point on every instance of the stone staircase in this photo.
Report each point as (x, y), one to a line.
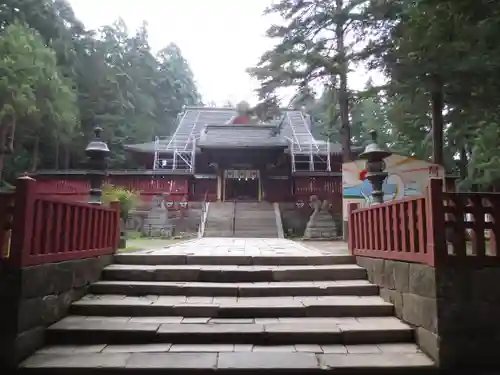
(253, 314)
(220, 220)
(241, 219)
(255, 220)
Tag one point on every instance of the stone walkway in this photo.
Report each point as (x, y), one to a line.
(272, 247)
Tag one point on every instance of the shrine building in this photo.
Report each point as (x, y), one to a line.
(217, 154)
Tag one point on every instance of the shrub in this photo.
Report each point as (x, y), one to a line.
(128, 199)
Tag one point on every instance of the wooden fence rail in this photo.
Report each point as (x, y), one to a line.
(441, 226)
(44, 229)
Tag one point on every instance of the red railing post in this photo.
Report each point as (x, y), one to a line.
(351, 227)
(116, 229)
(22, 222)
(436, 230)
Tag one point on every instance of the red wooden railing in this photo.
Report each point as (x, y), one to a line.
(46, 230)
(441, 226)
(392, 230)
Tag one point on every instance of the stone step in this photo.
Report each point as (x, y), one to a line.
(236, 260)
(256, 234)
(279, 331)
(253, 225)
(220, 273)
(256, 227)
(262, 289)
(210, 359)
(232, 307)
(212, 233)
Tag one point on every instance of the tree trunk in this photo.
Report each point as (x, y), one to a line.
(464, 161)
(56, 162)
(345, 128)
(7, 132)
(67, 157)
(35, 156)
(437, 106)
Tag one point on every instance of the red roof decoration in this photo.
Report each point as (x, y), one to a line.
(241, 120)
(362, 174)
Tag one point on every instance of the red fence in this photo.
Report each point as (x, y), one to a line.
(325, 188)
(44, 230)
(439, 227)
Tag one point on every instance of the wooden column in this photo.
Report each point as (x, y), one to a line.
(220, 180)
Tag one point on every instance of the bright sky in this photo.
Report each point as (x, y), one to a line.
(219, 38)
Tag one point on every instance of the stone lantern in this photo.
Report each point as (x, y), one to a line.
(97, 152)
(375, 166)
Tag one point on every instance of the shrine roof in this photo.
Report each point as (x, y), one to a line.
(241, 136)
(293, 127)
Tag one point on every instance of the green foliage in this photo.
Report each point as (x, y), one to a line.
(450, 45)
(33, 91)
(318, 43)
(128, 199)
(109, 77)
(423, 47)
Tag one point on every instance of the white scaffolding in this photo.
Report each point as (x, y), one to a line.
(178, 152)
(307, 153)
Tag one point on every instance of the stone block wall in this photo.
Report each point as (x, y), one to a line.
(411, 288)
(469, 315)
(455, 309)
(294, 220)
(35, 297)
(172, 222)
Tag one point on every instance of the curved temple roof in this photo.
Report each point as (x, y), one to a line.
(210, 127)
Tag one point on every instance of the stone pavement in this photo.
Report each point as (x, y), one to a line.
(272, 247)
(232, 304)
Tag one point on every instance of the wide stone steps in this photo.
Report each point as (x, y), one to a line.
(233, 274)
(258, 289)
(278, 331)
(219, 222)
(195, 311)
(231, 359)
(217, 233)
(231, 307)
(141, 258)
(256, 234)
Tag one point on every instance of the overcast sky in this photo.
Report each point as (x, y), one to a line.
(219, 38)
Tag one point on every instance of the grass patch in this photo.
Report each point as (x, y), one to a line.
(136, 244)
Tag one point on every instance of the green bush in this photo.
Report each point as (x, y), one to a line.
(128, 199)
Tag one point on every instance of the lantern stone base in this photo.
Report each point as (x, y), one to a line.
(322, 225)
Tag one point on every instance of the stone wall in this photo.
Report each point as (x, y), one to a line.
(164, 223)
(294, 219)
(469, 315)
(411, 288)
(455, 309)
(35, 297)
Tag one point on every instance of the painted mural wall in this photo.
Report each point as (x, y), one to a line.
(407, 177)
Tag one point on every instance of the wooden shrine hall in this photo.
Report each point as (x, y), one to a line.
(219, 154)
